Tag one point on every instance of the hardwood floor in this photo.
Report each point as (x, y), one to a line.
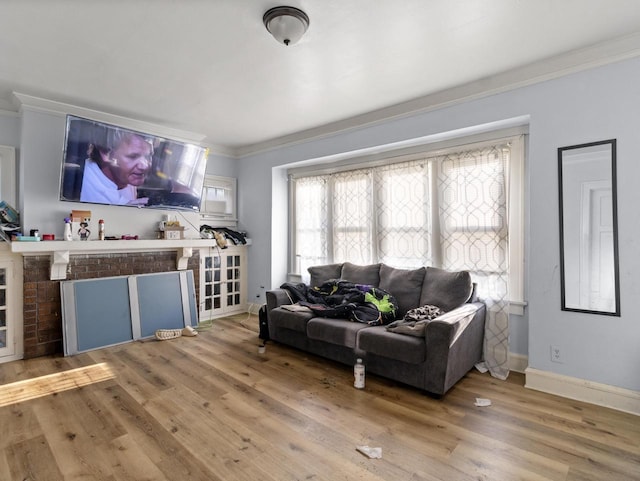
(212, 408)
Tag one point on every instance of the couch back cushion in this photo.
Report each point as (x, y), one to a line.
(404, 285)
(369, 274)
(321, 274)
(445, 289)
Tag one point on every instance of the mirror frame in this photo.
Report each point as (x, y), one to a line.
(562, 203)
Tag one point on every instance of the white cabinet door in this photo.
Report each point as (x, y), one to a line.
(11, 335)
(223, 288)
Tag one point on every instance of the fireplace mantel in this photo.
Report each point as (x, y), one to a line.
(60, 251)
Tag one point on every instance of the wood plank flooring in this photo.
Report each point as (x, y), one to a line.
(213, 408)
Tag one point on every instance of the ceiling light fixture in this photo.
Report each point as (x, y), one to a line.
(286, 24)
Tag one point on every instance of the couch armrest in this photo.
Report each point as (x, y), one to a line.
(276, 298)
(453, 323)
(454, 345)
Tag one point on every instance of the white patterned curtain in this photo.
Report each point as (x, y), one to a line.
(352, 214)
(312, 220)
(403, 214)
(472, 202)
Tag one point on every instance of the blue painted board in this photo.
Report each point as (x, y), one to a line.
(160, 301)
(103, 307)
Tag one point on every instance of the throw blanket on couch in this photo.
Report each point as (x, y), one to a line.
(415, 320)
(413, 325)
(344, 299)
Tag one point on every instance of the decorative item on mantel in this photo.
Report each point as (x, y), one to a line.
(170, 230)
(9, 221)
(68, 236)
(80, 220)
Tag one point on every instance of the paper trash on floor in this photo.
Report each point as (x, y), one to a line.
(372, 453)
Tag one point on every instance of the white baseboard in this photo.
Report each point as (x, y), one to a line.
(518, 362)
(605, 395)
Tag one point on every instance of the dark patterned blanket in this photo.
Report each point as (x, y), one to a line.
(344, 299)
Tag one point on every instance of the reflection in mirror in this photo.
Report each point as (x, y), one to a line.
(588, 228)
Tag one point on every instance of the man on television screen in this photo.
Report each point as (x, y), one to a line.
(116, 167)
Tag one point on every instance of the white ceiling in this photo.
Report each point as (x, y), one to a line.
(211, 68)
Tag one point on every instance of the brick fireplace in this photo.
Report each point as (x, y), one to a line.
(42, 305)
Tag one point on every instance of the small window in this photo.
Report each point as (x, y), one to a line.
(218, 200)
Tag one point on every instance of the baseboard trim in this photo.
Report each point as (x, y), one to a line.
(518, 362)
(604, 395)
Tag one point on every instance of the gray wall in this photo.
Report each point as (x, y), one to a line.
(9, 129)
(588, 106)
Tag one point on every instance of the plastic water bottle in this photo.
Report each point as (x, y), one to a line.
(101, 229)
(358, 374)
(67, 229)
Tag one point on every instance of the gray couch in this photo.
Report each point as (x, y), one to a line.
(433, 360)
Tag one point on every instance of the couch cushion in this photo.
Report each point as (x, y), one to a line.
(322, 274)
(404, 285)
(445, 289)
(334, 331)
(369, 274)
(296, 321)
(377, 340)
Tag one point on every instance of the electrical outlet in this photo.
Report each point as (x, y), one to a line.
(556, 354)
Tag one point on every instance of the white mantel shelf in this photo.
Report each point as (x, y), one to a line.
(60, 251)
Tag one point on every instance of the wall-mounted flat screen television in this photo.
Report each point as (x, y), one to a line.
(107, 164)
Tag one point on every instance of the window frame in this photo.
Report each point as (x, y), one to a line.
(516, 136)
(228, 218)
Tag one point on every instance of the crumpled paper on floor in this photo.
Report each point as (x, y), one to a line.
(481, 402)
(372, 453)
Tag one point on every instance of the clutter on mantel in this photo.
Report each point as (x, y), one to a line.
(77, 240)
(9, 221)
(170, 230)
(80, 225)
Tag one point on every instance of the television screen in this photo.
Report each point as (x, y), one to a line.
(106, 164)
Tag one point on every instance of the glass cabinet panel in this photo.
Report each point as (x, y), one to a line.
(222, 282)
(4, 328)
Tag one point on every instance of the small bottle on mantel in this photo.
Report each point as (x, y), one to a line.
(101, 229)
(358, 374)
(67, 229)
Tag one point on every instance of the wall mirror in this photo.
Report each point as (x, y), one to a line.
(588, 228)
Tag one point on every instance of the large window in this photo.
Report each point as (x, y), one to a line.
(449, 208)
(458, 208)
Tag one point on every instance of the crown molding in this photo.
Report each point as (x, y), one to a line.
(25, 102)
(220, 149)
(574, 61)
